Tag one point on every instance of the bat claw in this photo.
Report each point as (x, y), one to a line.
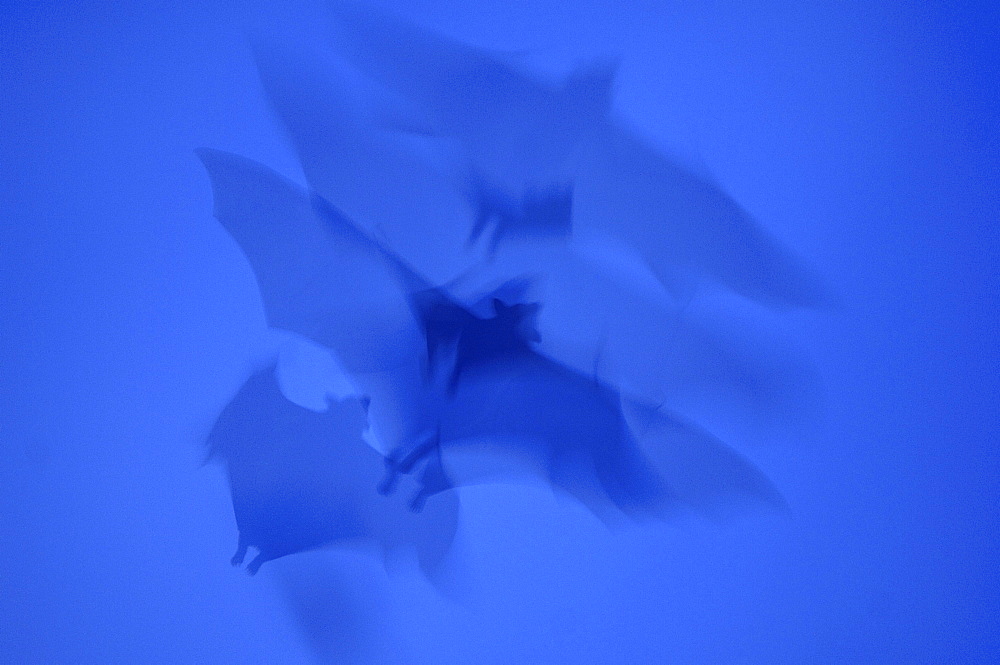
(240, 555)
(255, 565)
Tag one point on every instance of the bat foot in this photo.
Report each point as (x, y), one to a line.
(255, 565)
(241, 553)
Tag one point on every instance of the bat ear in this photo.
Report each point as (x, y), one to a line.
(499, 306)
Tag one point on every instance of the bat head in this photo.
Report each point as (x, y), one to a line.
(519, 320)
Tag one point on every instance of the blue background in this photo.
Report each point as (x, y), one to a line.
(863, 135)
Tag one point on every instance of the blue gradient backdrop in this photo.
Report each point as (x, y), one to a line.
(863, 135)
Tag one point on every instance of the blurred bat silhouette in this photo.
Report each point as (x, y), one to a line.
(383, 180)
(340, 609)
(516, 127)
(504, 395)
(525, 138)
(494, 346)
(301, 480)
(501, 391)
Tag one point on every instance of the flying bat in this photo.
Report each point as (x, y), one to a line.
(302, 480)
(524, 135)
(427, 307)
(499, 390)
(516, 127)
(576, 431)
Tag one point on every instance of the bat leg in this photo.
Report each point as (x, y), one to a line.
(395, 466)
(432, 481)
(241, 552)
(419, 500)
(255, 565)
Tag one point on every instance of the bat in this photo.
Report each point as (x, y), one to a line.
(302, 480)
(523, 135)
(577, 431)
(515, 127)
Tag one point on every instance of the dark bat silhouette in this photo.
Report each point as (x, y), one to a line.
(302, 480)
(570, 423)
(523, 136)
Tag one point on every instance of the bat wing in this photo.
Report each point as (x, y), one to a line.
(681, 221)
(564, 425)
(479, 96)
(701, 471)
(338, 607)
(324, 281)
(405, 187)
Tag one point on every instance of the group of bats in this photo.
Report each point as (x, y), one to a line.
(496, 262)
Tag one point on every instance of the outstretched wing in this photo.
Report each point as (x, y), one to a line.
(324, 281)
(402, 186)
